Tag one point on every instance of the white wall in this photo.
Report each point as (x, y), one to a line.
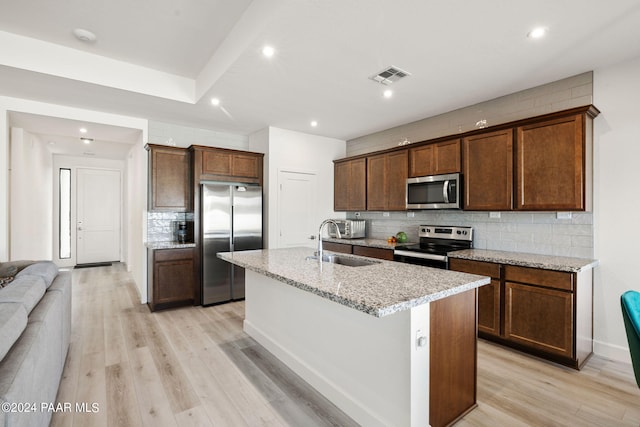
(136, 216)
(287, 150)
(31, 207)
(616, 201)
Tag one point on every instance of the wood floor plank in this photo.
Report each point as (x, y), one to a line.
(122, 404)
(155, 409)
(194, 366)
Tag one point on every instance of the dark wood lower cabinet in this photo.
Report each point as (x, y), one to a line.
(452, 389)
(380, 253)
(171, 278)
(337, 247)
(542, 312)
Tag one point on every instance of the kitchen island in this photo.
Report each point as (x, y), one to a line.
(363, 336)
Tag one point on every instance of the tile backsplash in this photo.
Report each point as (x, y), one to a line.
(532, 232)
(159, 225)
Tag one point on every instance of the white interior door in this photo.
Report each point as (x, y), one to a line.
(98, 216)
(297, 209)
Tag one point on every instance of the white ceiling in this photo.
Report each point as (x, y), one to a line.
(164, 59)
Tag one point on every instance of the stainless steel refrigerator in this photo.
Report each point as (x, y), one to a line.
(231, 221)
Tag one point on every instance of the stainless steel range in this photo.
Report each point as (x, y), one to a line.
(435, 242)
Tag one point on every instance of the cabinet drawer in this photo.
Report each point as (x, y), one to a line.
(337, 247)
(534, 276)
(161, 255)
(379, 253)
(475, 267)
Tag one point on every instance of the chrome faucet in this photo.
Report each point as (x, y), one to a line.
(325, 222)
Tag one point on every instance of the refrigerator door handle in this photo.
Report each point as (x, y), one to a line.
(233, 235)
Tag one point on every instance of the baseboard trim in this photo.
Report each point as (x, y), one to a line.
(612, 351)
(94, 264)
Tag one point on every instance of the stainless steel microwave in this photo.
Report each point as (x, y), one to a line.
(434, 192)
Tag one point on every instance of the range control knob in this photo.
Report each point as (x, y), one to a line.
(458, 232)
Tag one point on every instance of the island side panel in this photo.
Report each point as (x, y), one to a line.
(371, 368)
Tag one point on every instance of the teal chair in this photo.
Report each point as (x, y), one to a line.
(630, 302)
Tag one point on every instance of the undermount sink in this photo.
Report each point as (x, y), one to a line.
(343, 260)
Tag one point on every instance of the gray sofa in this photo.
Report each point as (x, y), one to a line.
(35, 329)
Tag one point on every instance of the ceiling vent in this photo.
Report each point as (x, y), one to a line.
(389, 75)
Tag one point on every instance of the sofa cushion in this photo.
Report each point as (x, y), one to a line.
(25, 290)
(19, 265)
(45, 269)
(13, 320)
(8, 270)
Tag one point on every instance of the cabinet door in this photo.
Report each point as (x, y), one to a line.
(169, 179)
(173, 277)
(216, 163)
(489, 308)
(387, 181)
(446, 157)
(397, 165)
(421, 161)
(246, 165)
(488, 171)
(341, 180)
(350, 183)
(550, 167)
(376, 183)
(358, 185)
(539, 318)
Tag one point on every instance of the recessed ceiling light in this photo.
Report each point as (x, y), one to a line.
(387, 93)
(314, 123)
(537, 33)
(215, 101)
(83, 130)
(268, 51)
(86, 140)
(84, 36)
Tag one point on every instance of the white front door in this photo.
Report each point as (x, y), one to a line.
(297, 209)
(98, 216)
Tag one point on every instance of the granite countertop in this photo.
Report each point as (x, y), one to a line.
(546, 262)
(381, 289)
(372, 243)
(169, 245)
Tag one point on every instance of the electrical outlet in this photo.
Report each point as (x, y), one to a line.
(494, 214)
(357, 214)
(386, 214)
(563, 215)
(411, 214)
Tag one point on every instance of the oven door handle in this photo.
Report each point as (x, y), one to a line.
(422, 255)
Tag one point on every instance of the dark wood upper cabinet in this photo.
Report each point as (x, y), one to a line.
(550, 166)
(228, 165)
(169, 176)
(435, 159)
(488, 170)
(387, 181)
(350, 185)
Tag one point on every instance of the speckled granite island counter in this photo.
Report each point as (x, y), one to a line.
(364, 336)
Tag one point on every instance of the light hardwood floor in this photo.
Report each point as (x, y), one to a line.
(194, 366)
